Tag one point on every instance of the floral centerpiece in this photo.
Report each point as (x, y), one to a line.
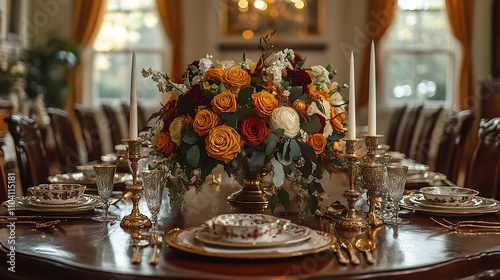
(272, 116)
(12, 71)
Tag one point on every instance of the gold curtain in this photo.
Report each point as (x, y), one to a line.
(461, 15)
(380, 15)
(87, 19)
(171, 14)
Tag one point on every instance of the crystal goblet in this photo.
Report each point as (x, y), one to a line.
(105, 176)
(153, 182)
(396, 178)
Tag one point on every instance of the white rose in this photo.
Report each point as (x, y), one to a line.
(175, 129)
(286, 118)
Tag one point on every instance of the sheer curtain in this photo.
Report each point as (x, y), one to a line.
(380, 15)
(171, 14)
(461, 16)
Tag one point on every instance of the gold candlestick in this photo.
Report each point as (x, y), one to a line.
(352, 221)
(135, 220)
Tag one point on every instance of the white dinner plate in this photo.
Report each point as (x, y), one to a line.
(291, 235)
(489, 205)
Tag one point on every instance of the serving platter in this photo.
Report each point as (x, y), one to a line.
(480, 206)
(291, 235)
(185, 240)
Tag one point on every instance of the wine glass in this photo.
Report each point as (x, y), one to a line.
(105, 177)
(396, 178)
(153, 182)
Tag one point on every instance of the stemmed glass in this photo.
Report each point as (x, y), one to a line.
(396, 178)
(153, 182)
(105, 176)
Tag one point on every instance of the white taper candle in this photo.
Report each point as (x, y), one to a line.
(372, 101)
(351, 120)
(133, 133)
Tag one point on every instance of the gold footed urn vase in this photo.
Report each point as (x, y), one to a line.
(252, 192)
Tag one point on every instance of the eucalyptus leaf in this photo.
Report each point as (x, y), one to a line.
(308, 153)
(294, 148)
(320, 106)
(273, 201)
(190, 138)
(295, 93)
(222, 88)
(312, 202)
(270, 141)
(312, 125)
(284, 198)
(230, 119)
(279, 173)
(245, 95)
(193, 155)
(256, 161)
(244, 112)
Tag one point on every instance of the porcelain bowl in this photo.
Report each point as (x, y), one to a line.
(247, 228)
(446, 195)
(58, 193)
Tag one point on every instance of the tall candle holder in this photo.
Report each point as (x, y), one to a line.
(134, 220)
(352, 221)
(372, 173)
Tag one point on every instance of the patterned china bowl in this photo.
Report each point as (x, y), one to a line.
(445, 195)
(58, 193)
(247, 228)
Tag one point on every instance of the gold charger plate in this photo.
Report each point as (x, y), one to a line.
(80, 178)
(291, 235)
(492, 207)
(185, 241)
(24, 203)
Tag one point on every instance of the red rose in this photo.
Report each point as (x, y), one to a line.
(254, 130)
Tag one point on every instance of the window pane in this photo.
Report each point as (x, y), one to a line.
(403, 31)
(401, 76)
(435, 32)
(421, 4)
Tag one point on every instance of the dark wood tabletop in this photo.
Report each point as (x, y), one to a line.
(85, 249)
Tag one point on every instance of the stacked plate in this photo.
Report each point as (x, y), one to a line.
(237, 242)
(477, 206)
(86, 202)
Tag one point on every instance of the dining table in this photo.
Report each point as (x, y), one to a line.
(80, 248)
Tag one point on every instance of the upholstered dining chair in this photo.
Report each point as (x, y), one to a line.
(424, 140)
(483, 172)
(66, 145)
(451, 143)
(113, 123)
(30, 150)
(4, 189)
(395, 127)
(90, 132)
(141, 114)
(409, 128)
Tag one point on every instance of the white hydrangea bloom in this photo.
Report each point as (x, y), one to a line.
(226, 64)
(320, 77)
(205, 64)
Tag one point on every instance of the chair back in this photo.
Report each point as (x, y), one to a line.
(66, 145)
(395, 127)
(4, 188)
(30, 150)
(409, 129)
(141, 114)
(424, 140)
(113, 124)
(483, 172)
(451, 143)
(90, 132)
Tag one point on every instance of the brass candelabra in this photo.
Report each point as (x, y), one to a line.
(134, 220)
(352, 221)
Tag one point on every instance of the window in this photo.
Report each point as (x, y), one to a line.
(128, 26)
(419, 54)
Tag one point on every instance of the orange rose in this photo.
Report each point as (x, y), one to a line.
(223, 143)
(336, 121)
(204, 121)
(317, 141)
(214, 74)
(336, 145)
(265, 103)
(235, 77)
(224, 102)
(164, 143)
(299, 105)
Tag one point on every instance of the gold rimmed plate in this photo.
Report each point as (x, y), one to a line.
(80, 178)
(476, 202)
(291, 235)
(184, 240)
(83, 200)
(21, 204)
(490, 206)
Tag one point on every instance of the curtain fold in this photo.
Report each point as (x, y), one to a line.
(171, 14)
(87, 19)
(461, 16)
(380, 15)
